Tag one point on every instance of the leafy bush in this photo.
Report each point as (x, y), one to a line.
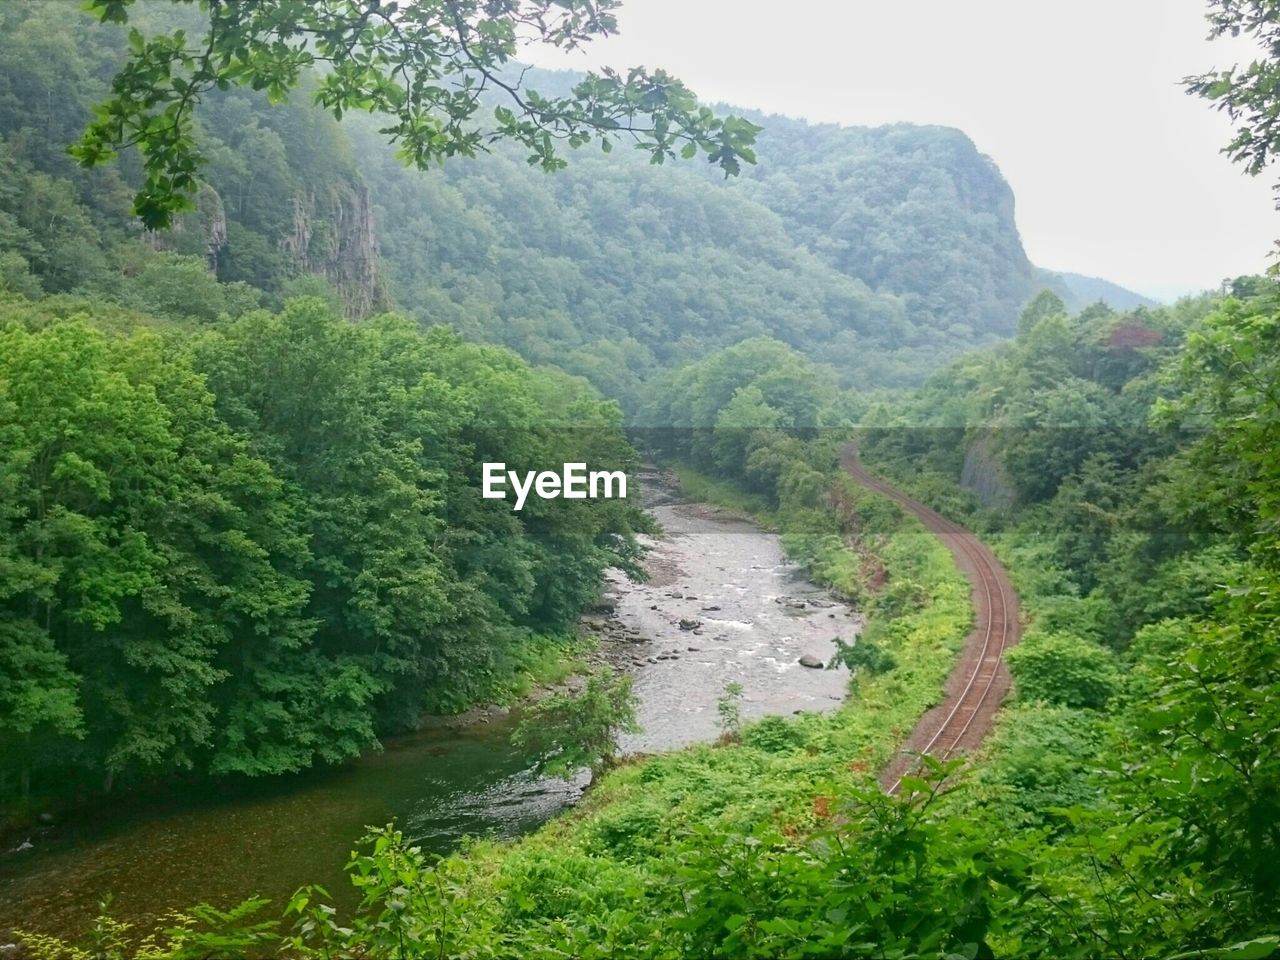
(626, 831)
(863, 655)
(729, 710)
(774, 735)
(1063, 669)
(570, 731)
(1039, 762)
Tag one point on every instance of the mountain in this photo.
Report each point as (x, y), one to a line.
(879, 252)
(1078, 291)
(913, 210)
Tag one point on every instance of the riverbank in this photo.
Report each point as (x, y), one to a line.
(546, 663)
(458, 775)
(615, 872)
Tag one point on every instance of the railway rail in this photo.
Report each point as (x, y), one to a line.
(981, 679)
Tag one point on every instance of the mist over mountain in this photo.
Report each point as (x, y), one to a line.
(1078, 291)
(882, 252)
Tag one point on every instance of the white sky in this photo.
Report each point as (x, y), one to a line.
(1116, 171)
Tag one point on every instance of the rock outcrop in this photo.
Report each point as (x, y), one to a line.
(334, 236)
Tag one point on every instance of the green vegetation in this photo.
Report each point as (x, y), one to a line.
(242, 536)
(1126, 806)
(1120, 465)
(613, 269)
(570, 731)
(729, 711)
(681, 854)
(423, 66)
(260, 544)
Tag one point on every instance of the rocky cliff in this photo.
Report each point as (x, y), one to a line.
(334, 236)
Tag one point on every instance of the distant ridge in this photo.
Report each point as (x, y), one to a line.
(1078, 291)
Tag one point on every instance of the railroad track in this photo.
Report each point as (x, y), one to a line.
(981, 679)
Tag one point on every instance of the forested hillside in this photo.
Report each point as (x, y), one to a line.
(913, 210)
(332, 570)
(282, 199)
(879, 252)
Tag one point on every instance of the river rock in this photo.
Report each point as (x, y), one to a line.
(24, 846)
(812, 662)
(9, 950)
(710, 609)
(46, 819)
(686, 624)
(606, 605)
(693, 649)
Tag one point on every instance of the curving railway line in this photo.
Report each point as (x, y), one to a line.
(981, 679)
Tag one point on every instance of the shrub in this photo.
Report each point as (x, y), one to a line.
(774, 735)
(1064, 669)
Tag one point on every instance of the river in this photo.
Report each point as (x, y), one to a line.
(722, 604)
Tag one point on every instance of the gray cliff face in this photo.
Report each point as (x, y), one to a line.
(334, 236)
(331, 234)
(216, 231)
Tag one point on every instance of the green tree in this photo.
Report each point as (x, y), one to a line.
(427, 65)
(1247, 94)
(1229, 377)
(570, 731)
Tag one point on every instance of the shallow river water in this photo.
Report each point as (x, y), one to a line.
(747, 616)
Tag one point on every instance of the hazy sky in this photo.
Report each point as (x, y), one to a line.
(1116, 171)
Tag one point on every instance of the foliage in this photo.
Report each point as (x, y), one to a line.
(1061, 669)
(1230, 374)
(1247, 94)
(425, 65)
(863, 655)
(262, 545)
(569, 731)
(241, 541)
(599, 883)
(1138, 783)
(729, 710)
(1035, 767)
(203, 931)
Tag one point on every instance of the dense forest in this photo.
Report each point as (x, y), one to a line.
(333, 571)
(612, 269)
(241, 529)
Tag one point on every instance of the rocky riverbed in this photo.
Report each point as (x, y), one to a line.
(722, 604)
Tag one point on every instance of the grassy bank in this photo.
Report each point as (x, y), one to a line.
(611, 877)
(609, 872)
